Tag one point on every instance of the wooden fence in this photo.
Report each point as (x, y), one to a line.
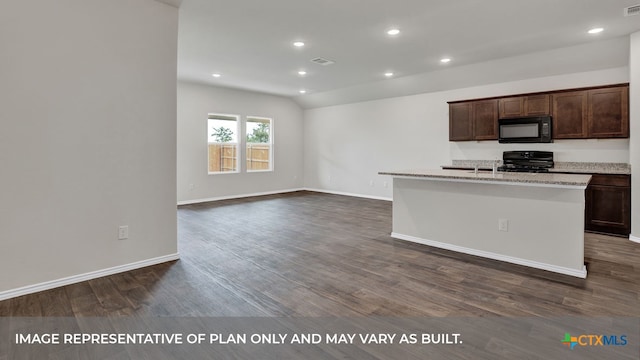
(224, 157)
(258, 157)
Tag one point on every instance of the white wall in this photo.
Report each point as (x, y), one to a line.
(195, 101)
(87, 136)
(346, 145)
(634, 149)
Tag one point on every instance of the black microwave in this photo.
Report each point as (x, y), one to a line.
(536, 129)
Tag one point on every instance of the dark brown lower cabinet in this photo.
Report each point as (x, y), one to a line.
(608, 204)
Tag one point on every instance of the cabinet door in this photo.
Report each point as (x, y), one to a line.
(511, 107)
(537, 105)
(608, 204)
(485, 120)
(460, 124)
(570, 115)
(524, 106)
(609, 112)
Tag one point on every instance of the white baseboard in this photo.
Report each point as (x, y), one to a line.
(30, 289)
(239, 196)
(534, 264)
(350, 194)
(634, 238)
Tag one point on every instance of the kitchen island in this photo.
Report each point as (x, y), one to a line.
(530, 219)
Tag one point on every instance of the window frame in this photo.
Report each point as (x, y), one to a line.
(270, 143)
(237, 143)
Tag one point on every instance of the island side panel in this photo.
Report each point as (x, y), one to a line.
(545, 224)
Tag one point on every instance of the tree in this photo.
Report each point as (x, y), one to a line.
(222, 134)
(260, 134)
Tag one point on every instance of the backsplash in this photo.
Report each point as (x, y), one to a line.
(592, 150)
(559, 166)
(484, 164)
(587, 167)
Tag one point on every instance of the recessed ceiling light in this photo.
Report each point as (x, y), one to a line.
(302, 73)
(445, 60)
(216, 75)
(388, 74)
(595, 30)
(393, 32)
(303, 91)
(298, 44)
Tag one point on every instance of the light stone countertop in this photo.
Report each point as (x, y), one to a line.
(592, 168)
(508, 178)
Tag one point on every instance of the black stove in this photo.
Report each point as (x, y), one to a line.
(526, 161)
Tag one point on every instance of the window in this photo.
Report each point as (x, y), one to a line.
(223, 143)
(259, 143)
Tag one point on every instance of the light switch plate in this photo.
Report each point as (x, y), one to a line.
(503, 224)
(123, 232)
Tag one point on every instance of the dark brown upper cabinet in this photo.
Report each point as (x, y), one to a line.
(485, 116)
(473, 120)
(596, 112)
(570, 115)
(524, 106)
(593, 113)
(460, 124)
(608, 114)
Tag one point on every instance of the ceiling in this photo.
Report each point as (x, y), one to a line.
(250, 42)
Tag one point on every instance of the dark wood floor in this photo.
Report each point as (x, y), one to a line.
(311, 254)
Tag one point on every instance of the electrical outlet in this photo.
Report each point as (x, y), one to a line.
(123, 232)
(385, 184)
(371, 183)
(503, 225)
(192, 186)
